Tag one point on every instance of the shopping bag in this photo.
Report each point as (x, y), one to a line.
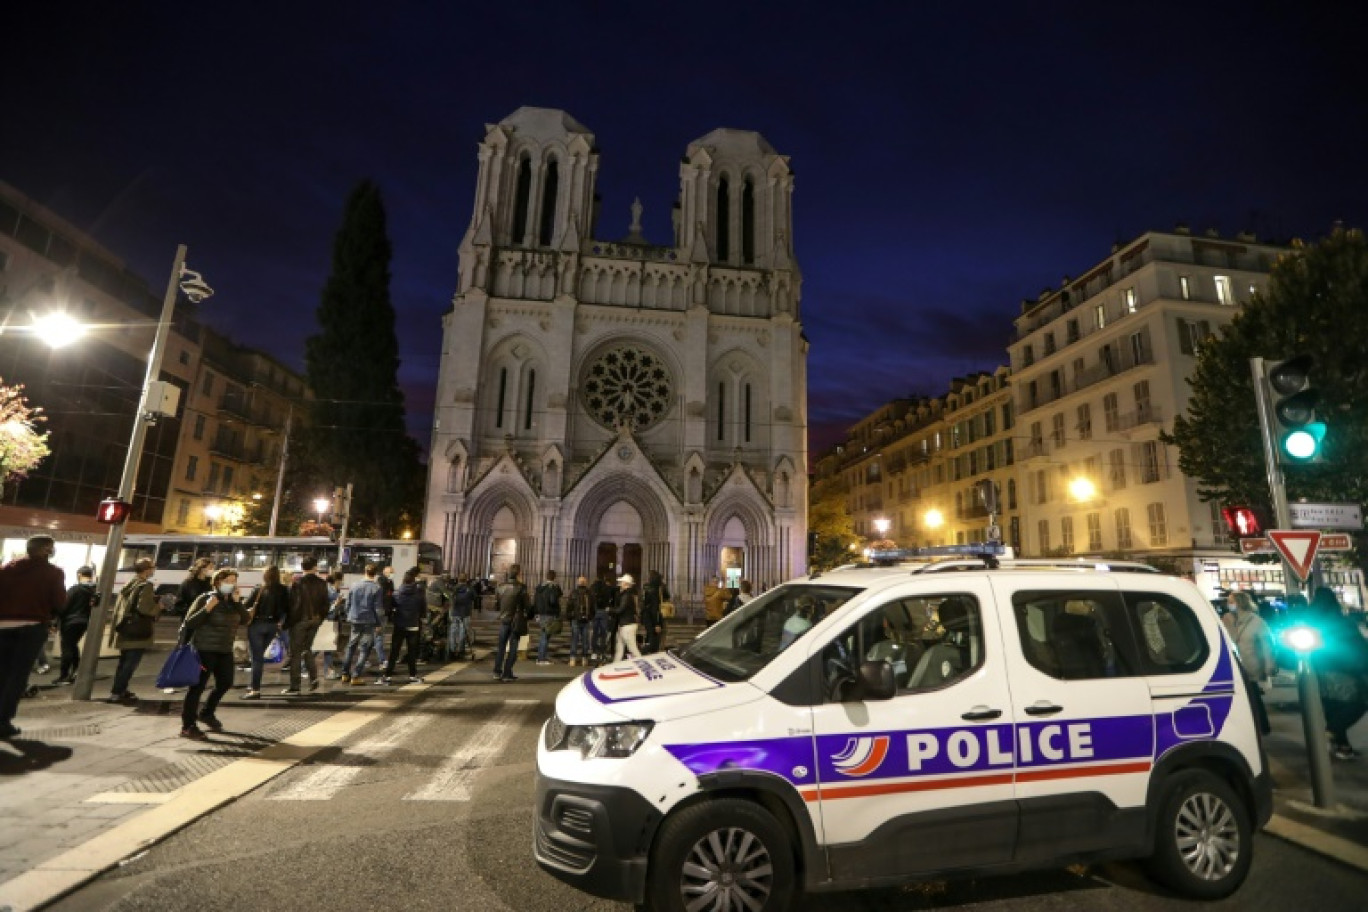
(182, 668)
(276, 651)
(667, 609)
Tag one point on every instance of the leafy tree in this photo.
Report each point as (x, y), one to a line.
(353, 363)
(22, 445)
(833, 525)
(1316, 304)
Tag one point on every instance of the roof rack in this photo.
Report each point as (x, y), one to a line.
(993, 556)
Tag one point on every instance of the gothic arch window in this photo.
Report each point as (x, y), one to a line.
(627, 385)
(748, 222)
(746, 405)
(722, 410)
(522, 199)
(503, 397)
(531, 392)
(723, 219)
(550, 188)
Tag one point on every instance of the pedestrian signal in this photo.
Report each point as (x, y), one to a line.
(113, 511)
(1243, 522)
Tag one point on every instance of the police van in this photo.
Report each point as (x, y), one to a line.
(874, 725)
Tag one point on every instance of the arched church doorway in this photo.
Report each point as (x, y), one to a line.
(732, 553)
(618, 542)
(503, 543)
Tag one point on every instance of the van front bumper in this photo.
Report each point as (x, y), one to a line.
(595, 838)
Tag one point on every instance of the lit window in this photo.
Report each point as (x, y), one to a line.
(1100, 311)
(1185, 287)
(1224, 292)
(1158, 528)
(1130, 300)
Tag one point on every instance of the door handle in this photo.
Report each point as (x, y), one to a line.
(1042, 708)
(981, 713)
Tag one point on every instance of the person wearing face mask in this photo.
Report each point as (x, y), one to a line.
(210, 625)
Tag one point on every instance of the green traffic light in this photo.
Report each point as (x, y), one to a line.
(1304, 444)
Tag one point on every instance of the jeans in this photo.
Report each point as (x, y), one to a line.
(362, 639)
(71, 648)
(626, 639)
(259, 636)
(19, 646)
(508, 644)
(409, 640)
(544, 643)
(599, 646)
(128, 663)
(379, 646)
(457, 635)
(579, 640)
(301, 652)
(220, 666)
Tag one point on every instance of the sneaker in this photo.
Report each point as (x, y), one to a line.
(290, 692)
(64, 680)
(413, 680)
(194, 734)
(357, 682)
(346, 679)
(211, 722)
(44, 669)
(383, 680)
(497, 676)
(330, 676)
(252, 695)
(128, 698)
(1345, 752)
(509, 677)
(313, 685)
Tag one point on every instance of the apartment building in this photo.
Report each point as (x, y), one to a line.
(1100, 367)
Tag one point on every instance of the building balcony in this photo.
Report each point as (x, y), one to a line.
(1150, 415)
(1119, 362)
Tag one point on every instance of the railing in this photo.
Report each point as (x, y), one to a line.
(1139, 418)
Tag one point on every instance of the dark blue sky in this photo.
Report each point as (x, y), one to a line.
(951, 159)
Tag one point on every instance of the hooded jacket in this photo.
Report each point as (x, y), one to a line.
(31, 590)
(410, 604)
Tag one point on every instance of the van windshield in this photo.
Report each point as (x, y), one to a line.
(749, 638)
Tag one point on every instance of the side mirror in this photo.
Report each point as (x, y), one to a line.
(876, 681)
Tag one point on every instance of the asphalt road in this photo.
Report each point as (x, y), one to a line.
(431, 809)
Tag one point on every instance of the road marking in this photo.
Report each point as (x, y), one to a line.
(452, 780)
(331, 778)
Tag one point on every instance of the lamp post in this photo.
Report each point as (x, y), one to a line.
(196, 290)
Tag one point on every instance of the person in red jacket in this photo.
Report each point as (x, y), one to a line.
(31, 592)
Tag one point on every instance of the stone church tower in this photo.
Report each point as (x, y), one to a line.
(622, 406)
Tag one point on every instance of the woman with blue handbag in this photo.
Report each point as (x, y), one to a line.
(210, 625)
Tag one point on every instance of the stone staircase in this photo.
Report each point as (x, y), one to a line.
(485, 625)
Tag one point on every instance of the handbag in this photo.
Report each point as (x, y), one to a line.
(182, 668)
(554, 628)
(275, 652)
(667, 609)
(134, 625)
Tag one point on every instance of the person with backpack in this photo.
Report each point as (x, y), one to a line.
(580, 611)
(513, 604)
(628, 613)
(135, 613)
(463, 598)
(73, 620)
(546, 603)
(654, 593)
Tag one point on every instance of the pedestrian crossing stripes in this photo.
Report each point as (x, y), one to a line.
(452, 780)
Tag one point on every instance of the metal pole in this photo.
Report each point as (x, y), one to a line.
(280, 476)
(99, 614)
(346, 520)
(1282, 516)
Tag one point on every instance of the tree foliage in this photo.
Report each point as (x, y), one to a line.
(22, 445)
(833, 525)
(358, 433)
(1316, 304)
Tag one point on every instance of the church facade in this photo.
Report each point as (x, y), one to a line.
(608, 407)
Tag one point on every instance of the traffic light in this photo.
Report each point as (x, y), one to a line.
(1243, 522)
(113, 511)
(1300, 437)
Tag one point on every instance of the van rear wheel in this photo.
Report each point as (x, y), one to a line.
(721, 856)
(1203, 838)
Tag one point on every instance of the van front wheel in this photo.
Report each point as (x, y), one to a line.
(1203, 838)
(720, 856)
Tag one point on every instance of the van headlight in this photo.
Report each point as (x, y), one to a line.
(617, 740)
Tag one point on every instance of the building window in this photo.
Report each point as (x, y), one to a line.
(748, 412)
(1042, 486)
(1094, 531)
(1085, 422)
(1037, 438)
(1191, 334)
(1137, 345)
(1142, 401)
(191, 468)
(199, 427)
(1100, 314)
(503, 397)
(184, 356)
(1149, 462)
(1123, 529)
(1158, 528)
(1008, 417)
(550, 188)
(183, 512)
(1027, 356)
(227, 479)
(1224, 293)
(1111, 415)
(1057, 430)
(1066, 541)
(531, 393)
(1130, 300)
(1043, 532)
(1185, 287)
(1071, 332)
(1056, 384)
(1117, 458)
(521, 200)
(1011, 494)
(1049, 344)
(748, 221)
(723, 219)
(212, 483)
(721, 411)
(207, 387)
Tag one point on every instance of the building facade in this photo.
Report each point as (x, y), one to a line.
(619, 406)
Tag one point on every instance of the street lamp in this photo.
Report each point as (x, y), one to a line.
(58, 329)
(1082, 489)
(321, 504)
(149, 409)
(213, 513)
(881, 526)
(934, 519)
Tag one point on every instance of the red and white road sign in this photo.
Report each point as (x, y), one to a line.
(1335, 541)
(1257, 545)
(1298, 548)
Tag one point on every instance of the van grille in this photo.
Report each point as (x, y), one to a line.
(569, 857)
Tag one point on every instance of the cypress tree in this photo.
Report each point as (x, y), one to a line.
(352, 363)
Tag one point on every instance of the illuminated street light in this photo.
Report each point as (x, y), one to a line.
(934, 519)
(321, 504)
(213, 513)
(58, 329)
(881, 526)
(1082, 489)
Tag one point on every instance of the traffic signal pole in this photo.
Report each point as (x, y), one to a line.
(1308, 688)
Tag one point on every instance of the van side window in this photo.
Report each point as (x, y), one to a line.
(931, 642)
(1075, 635)
(1170, 636)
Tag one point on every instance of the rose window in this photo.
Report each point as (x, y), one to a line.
(627, 386)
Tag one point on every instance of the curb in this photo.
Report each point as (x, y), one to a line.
(1322, 843)
(56, 877)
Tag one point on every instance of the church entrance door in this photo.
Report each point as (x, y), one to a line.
(619, 542)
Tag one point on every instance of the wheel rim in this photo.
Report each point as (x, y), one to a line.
(728, 870)
(1207, 836)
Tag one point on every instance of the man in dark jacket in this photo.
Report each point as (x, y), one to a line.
(580, 611)
(546, 602)
(31, 592)
(513, 604)
(463, 598)
(74, 618)
(410, 604)
(309, 605)
(605, 600)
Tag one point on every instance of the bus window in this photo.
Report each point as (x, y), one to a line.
(429, 558)
(254, 557)
(291, 556)
(358, 556)
(131, 554)
(220, 554)
(172, 555)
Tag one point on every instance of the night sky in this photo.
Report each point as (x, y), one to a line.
(951, 158)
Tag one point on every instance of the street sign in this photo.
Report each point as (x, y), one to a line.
(1258, 545)
(1298, 548)
(1336, 541)
(1345, 516)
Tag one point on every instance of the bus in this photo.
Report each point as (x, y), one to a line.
(174, 555)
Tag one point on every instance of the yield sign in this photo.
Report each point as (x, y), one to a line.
(1298, 548)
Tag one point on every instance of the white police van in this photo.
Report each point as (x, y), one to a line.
(871, 726)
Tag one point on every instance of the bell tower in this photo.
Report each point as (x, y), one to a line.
(735, 194)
